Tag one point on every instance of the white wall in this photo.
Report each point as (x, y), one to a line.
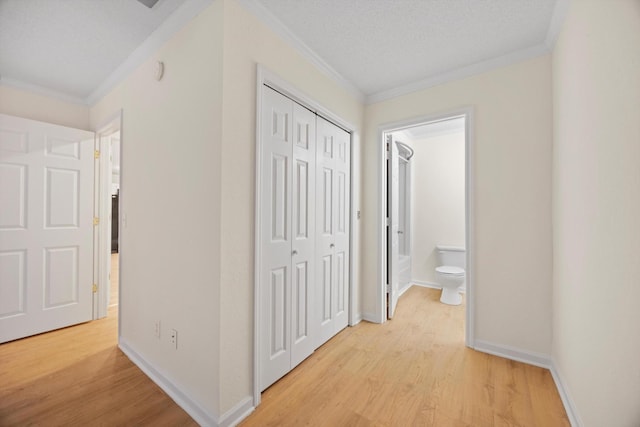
(438, 200)
(29, 105)
(512, 165)
(171, 179)
(596, 199)
(248, 42)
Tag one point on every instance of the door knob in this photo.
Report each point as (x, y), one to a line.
(332, 245)
(294, 252)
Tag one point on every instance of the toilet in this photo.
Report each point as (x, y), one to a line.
(450, 274)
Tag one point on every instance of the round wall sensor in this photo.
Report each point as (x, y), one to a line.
(159, 70)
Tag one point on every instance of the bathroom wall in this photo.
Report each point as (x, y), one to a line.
(596, 211)
(438, 197)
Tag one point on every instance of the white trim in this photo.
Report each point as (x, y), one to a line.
(266, 77)
(512, 353)
(424, 284)
(468, 113)
(40, 90)
(273, 23)
(460, 73)
(239, 412)
(560, 11)
(178, 19)
(404, 289)
(569, 406)
(110, 126)
(191, 407)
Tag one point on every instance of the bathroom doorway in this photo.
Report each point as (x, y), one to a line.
(427, 209)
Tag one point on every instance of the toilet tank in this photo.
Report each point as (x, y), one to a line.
(451, 255)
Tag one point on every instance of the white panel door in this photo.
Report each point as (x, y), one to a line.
(287, 240)
(393, 244)
(332, 229)
(46, 227)
(303, 234)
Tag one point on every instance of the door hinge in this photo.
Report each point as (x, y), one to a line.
(388, 287)
(96, 154)
(387, 222)
(96, 220)
(95, 288)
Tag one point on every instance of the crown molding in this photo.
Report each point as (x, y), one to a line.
(460, 73)
(178, 19)
(40, 90)
(558, 16)
(266, 17)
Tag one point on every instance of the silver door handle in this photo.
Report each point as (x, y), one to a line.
(332, 245)
(294, 252)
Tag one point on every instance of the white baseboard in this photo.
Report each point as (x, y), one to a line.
(508, 352)
(569, 406)
(370, 317)
(239, 412)
(404, 289)
(199, 414)
(357, 318)
(426, 284)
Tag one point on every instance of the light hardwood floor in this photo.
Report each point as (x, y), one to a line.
(77, 376)
(411, 371)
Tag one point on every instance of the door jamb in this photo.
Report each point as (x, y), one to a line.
(266, 77)
(468, 113)
(103, 206)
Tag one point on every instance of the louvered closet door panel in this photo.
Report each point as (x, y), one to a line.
(276, 239)
(332, 229)
(303, 234)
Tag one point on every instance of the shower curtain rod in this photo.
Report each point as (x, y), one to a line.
(406, 147)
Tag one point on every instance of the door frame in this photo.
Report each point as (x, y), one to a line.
(103, 209)
(468, 113)
(266, 77)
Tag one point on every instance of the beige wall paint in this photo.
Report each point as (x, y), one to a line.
(249, 42)
(438, 200)
(512, 164)
(171, 179)
(29, 105)
(596, 198)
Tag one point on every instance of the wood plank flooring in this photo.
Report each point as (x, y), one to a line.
(77, 376)
(411, 371)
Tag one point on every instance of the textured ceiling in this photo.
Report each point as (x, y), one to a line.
(382, 44)
(72, 46)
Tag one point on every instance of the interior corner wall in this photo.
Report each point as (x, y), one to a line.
(596, 207)
(512, 185)
(437, 200)
(29, 105)
(248, 42)
(170, 245)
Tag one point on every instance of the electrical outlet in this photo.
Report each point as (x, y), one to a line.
(173, 338)
(157, 329)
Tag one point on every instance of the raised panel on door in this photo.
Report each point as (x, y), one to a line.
(275, 292)
(303, 231)
(341, 213)
(46, 227)
(332, 225)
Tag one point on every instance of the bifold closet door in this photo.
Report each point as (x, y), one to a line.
(332, 228)
(287, 235)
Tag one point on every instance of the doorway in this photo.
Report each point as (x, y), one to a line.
(109, 191)
(406, 255)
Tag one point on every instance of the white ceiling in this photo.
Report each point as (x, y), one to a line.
(72, 46)
(376, 46)
(380, 45)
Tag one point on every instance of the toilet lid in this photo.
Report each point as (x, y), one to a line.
(449, 269)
